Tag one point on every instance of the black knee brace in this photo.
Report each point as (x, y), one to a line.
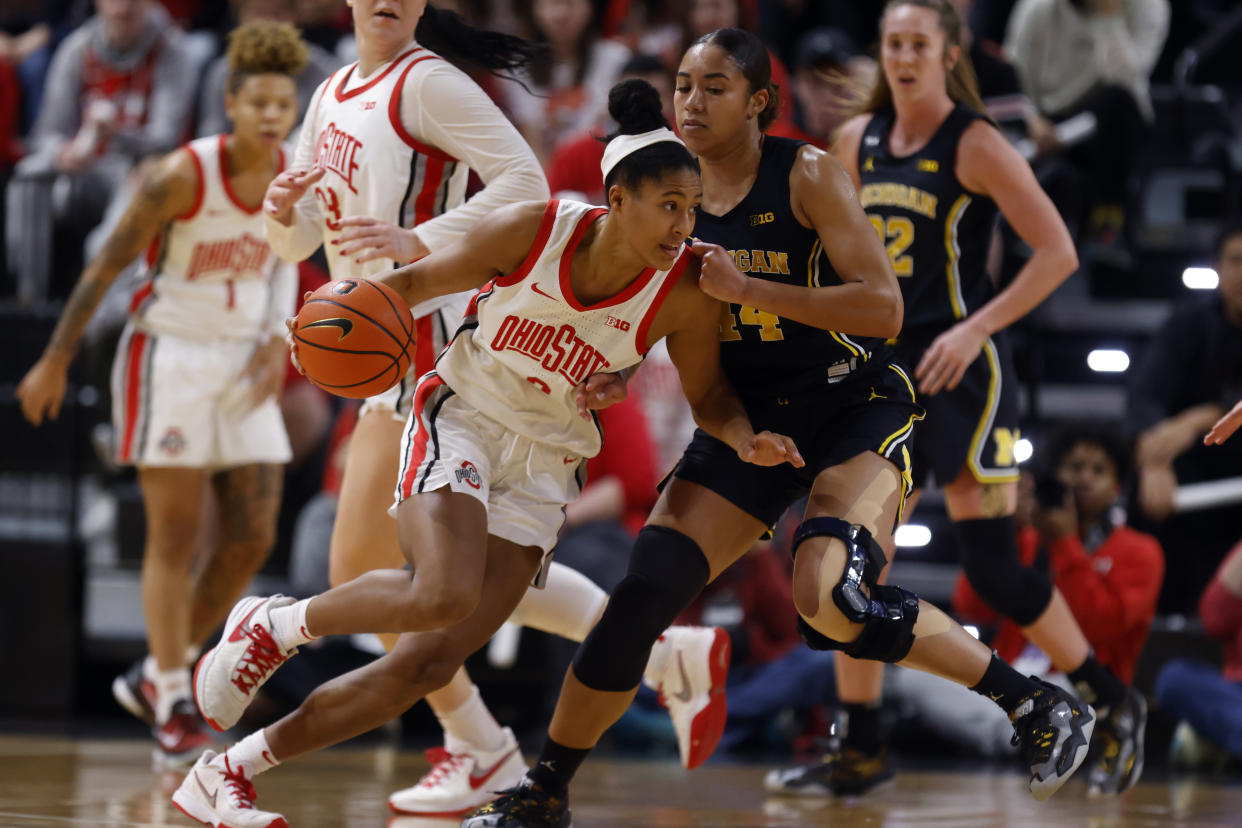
(667, 571)
(888, 615)
(989, 552)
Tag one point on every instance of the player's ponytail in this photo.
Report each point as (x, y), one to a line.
(448, 35)
(635, 105)
(750, 55)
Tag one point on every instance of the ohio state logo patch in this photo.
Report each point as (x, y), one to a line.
(469, 475)
(173, 442)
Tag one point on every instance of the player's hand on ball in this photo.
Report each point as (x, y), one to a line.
(42, 390)
(599, 391)
(719, 277)
(292, 344)
(945, 362)
(285, 191)
(369, 238)
(767, 448)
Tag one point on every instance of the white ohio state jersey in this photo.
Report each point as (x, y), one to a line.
(209, 274)
(527, 341)
(373, 165)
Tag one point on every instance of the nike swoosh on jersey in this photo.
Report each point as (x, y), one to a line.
(238, 632)
(535, 287)
(345, 325)
(478, 781)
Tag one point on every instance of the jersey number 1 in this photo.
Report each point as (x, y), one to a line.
(896, 234)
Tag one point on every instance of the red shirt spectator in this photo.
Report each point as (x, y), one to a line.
(1111, 592)
(1220, 609)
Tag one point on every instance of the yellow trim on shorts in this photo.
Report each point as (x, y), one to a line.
(975, 459)
(950, 245)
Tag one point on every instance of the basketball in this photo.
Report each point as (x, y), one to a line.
(355, 337)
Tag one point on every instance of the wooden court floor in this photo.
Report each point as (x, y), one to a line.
(63, 783)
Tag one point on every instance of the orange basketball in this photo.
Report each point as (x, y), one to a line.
(355, 337)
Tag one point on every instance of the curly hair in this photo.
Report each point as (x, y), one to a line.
(264, 47)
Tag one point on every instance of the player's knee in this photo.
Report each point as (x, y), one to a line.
(422, 670)
(667, 570)
(172, 538)
(444, 603)
(989, 550)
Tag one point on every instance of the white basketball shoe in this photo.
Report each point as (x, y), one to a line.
(692, 687)
(228, 674)
(216, 794)
(460, 782)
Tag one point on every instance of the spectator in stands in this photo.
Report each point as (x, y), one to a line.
(1109, 573)
(567, 90)
(1208, 699)
(574, 168)
(25, 38)
(1187, 380)
(1094, 56)
(827, 68)
(119, 89)
(211, 117)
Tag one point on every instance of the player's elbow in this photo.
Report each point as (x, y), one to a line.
(892, 313)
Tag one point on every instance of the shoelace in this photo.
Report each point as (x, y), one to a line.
(1033, 735)
(443, 765)
(241, 790)
(262, 655)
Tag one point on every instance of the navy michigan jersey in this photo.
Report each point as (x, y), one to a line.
(765, 355)
(935, 230)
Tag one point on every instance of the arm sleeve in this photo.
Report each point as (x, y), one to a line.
(172, 100)
(1221, 609)
(1108, 604)
(305, 233)
(446, 109)
(282, 297)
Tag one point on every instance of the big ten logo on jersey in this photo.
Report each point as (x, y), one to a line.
(557, 348)
(1005, 440)
(338, 153)
(762, 218)
(228, 256)
(619, 324)
(468, 474)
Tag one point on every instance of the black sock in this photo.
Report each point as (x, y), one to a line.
(862, 731)
(1004, 685)
(556, 767)
(1096, 684)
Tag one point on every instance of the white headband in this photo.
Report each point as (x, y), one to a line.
(623, 145)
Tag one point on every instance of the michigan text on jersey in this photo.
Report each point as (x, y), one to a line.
(888, 194)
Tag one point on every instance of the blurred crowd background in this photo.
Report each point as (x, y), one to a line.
(1130, 112)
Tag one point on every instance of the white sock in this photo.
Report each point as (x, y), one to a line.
(149, 668)
(471, 726)
(289, 625)
(252, 755)
(171, 686)
(568, 605)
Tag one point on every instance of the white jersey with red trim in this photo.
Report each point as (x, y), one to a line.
(210, 273)
(373, 165)
(527, 341)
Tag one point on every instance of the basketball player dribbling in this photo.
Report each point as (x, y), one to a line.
(494, 446)
(799, 337)
(932, 172)
(197, 369)
(379, 179)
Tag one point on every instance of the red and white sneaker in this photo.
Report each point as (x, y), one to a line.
(228, 674)
(460, 782)
(136, 693)
(693, 689)
(182, 738)
(217, 795)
